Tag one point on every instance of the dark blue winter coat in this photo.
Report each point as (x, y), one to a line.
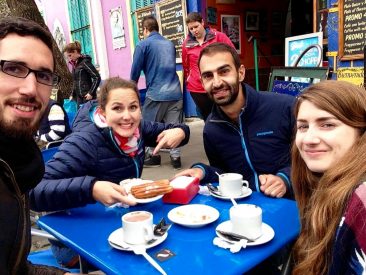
(89, 154)
(259, 144)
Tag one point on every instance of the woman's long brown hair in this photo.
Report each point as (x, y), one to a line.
(322, 198)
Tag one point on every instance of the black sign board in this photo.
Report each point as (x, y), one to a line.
(352, 29)
(171, 14)
(140, 14)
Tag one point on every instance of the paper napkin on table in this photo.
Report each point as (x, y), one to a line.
(204, 191)
(234, 247)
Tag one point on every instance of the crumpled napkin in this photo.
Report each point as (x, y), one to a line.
(233, 246)
(204, 191)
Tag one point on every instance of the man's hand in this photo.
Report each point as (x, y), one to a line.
(192, 172)
(169, 139)
(272, 185)
(110, 193)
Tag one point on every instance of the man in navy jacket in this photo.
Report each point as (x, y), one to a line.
(247, 132)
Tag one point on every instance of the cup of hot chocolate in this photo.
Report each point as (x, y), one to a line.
(137, 227)
(246, 220)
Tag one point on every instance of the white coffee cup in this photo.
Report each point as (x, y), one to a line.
(246, 220)
(137, 227)
(231, 184)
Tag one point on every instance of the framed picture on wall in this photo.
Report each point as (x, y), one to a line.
(251, 21)
(230, 25)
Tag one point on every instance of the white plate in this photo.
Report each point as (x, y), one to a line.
(246, 192)
(128, 183)
(193, 215)
(268, 233)
(116, 237)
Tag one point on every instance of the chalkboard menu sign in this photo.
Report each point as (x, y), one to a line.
(352, 29)
(171, 15)
(140, 14)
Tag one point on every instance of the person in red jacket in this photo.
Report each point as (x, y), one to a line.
(198, 38)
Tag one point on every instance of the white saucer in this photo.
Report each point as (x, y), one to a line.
(128, 183)
(115, 239)
(145, 200)
(246, 192)
(267, 233)
(193, 215)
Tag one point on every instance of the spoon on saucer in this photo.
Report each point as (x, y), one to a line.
(126, 246)
(213, 189)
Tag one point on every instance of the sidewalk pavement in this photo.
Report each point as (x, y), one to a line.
(191, 153)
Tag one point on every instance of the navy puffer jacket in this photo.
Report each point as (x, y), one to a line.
(89, 154)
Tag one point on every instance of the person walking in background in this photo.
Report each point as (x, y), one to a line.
(155, 56)
(198, 38)
(329, 178)
(27, 75)
(54, 125)
(86, 78)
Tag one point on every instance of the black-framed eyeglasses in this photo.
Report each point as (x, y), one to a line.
(18, 70)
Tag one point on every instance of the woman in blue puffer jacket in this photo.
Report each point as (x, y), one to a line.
(106, 146)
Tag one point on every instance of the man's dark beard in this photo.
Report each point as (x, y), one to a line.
(233, 92)
(19, 129)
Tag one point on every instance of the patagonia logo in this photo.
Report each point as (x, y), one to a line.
(264, 133)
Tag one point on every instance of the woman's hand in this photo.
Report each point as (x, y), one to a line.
(110, 193)
(169, 139)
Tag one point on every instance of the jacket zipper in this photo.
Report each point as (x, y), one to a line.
(123, 153)
(243, 144)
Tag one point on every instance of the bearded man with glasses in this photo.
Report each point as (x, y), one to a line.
(26, 77)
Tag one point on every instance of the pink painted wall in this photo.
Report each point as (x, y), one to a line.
(57, 10)
(119, 60)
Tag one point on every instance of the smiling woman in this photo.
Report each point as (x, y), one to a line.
(329, 176)
(107, 145)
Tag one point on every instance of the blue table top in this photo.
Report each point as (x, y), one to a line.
(87, 229)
